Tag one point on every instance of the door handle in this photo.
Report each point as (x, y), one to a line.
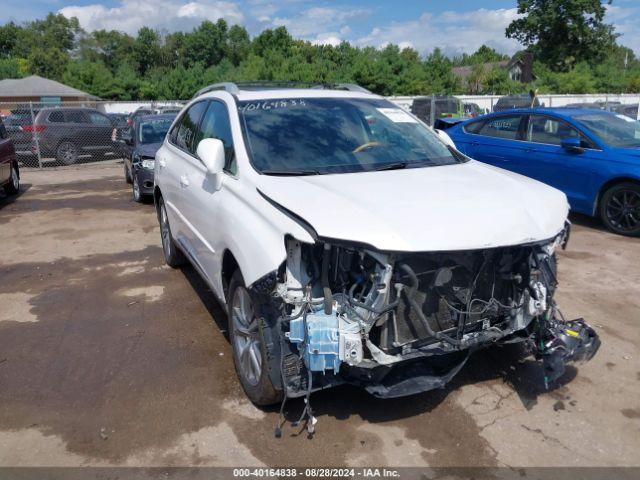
(184, 181)
(530, 150)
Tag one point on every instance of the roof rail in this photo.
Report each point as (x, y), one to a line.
(352, 87)
(227, 86)
(234, 88)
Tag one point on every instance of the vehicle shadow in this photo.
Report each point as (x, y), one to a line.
(587, 221)
(208, 299)
(506, 364)
(6, 200)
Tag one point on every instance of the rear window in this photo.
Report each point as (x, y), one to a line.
(473, 127)
(501, 127)
(56, 117)
(75, 117)
(17, 119)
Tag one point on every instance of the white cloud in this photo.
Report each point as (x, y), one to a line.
(453, 32)
(330, 38)
(129, 15)
(625, 21)
(318, 20)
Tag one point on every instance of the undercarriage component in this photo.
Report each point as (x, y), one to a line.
(402, 323)
(558, 343)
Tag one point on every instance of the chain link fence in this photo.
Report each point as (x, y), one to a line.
(54, 135)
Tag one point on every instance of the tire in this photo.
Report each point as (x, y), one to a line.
(127, 174)
(67, 153)
(246, 332)
(172, 254)
(620, 209)
(13, 187)
(137, 194)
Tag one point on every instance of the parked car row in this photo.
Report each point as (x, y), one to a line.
(452, 107)
(349, 244)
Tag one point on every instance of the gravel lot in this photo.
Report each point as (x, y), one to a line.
(108, 357)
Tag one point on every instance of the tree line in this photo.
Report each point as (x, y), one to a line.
(575, 51)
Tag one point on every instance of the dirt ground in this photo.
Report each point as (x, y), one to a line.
(108, 357)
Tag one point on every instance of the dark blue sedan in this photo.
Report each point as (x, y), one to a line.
(593, 156)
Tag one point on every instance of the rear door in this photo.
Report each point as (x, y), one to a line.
(571, 172)
(100, 130)
(496, 141)
(76, 128)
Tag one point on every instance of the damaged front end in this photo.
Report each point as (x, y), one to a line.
(402, 323)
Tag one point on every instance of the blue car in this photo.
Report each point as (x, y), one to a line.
(593, 156)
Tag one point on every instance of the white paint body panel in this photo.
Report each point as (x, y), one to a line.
(457, 207)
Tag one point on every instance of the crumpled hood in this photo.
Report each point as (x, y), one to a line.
(148, 149)
(456, 207)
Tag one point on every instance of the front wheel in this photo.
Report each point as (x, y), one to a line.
(247, 340)
(174, 257)
(137, 194)
(13, 186)
(620, 209)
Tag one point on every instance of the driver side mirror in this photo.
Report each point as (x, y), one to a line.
(211, 152)
(572, 144)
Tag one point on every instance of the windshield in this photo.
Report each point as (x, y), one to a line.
(154, 131)
(303, 136)
(614, 130)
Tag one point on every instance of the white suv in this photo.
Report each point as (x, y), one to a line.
(350, 244)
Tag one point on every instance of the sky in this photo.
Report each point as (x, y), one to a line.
(455, 26)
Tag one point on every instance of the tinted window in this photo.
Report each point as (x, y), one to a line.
(304, 136)
(183, 134)
(502, 127)
(614, 130)
(215, 124)
(98, 119)
(75, 117)
(3, 131)
(19, 118)
(473, 127)
(549, 130)
(56, 117)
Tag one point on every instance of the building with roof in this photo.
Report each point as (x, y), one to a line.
(40, 90)
(519, 68)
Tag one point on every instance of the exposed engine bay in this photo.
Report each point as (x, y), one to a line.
(402, 323)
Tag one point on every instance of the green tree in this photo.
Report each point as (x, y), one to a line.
(146, 49)
(562, 33)
(238, 44)
(49, 63)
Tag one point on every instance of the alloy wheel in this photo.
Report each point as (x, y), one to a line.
(164, 231)
(136, 190)
(623, 210)
(67, 153)
(247, 346)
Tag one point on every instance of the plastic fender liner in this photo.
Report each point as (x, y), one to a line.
(412, 378)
